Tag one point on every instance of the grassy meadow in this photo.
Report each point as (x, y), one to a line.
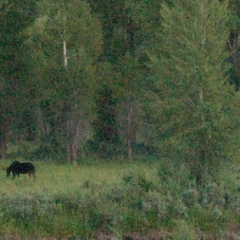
(118, 200)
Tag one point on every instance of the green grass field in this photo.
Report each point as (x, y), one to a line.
(52, 178)
(117, 199)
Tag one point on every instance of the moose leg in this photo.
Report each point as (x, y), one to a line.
(14, 175)
(31, 174)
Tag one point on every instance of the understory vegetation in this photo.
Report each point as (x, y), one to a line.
(119, 200)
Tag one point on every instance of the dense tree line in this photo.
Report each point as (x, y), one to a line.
(121, 78)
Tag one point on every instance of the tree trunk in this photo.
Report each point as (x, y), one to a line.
(4, 139)
(72, 128)
(202, 155)
(129, 131)
(3, 149)
(65, 58)
(70, 124)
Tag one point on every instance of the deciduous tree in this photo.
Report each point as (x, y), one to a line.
(67, 42)
(197, 105)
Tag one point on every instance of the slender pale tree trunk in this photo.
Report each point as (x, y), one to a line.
(72, 127)
(68, 123)
(65, 58)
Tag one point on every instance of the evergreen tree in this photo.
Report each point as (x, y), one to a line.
(196, 105)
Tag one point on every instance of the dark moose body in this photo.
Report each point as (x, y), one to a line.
(21, 168)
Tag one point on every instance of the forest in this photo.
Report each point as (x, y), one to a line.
(150, 82)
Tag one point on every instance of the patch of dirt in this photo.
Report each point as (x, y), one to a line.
(101, 235)
(151, 235)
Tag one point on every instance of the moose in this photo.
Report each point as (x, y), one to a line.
(20, 168)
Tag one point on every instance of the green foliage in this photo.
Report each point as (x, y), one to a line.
(15, 17)
(66, 84)
(24, 151)
(105, 124)
(195, 99)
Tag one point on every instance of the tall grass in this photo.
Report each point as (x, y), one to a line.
(117, 199)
